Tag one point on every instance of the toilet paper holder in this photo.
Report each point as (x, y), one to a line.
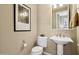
(24, 45)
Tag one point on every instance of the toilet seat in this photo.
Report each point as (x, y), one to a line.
(37, 50)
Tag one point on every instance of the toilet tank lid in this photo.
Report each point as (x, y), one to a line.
(37, 49)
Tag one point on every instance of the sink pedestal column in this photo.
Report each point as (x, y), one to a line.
(59, 49)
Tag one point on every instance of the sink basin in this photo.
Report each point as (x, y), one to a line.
(61, 40)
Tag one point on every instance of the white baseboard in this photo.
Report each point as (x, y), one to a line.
(46, 53)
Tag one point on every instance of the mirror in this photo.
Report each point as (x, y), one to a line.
(60, 17)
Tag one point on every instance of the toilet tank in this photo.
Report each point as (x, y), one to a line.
(42, 41)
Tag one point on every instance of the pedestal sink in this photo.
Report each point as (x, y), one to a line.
(60, 41)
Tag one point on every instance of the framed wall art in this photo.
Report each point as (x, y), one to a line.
(22, 17)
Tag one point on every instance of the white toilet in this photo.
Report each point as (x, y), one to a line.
(41, 43)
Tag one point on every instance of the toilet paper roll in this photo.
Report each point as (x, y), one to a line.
(25, 45)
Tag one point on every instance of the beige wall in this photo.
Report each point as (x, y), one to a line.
(45, 27)
(78, 30)
(10, 41)
(78, 38)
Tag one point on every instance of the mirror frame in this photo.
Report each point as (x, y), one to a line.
(55, 9)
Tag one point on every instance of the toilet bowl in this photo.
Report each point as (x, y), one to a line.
(37, 50)
(42, 43)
